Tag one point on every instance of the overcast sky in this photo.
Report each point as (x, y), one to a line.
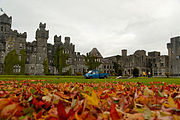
(108, 25)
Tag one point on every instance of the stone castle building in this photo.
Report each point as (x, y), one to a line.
(174, 56)
(40, 50)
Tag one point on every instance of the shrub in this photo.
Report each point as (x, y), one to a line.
(78, 73)
(167, 74)
(135, 72)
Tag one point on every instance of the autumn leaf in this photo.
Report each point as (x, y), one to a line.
(93, 99)
(62, 113)
(114, 114)
(11, 110)
(4, 102)
(171, 102)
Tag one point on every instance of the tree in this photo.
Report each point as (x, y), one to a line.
(167, 74)
(117, 67)
(136, 72)
(60, 59)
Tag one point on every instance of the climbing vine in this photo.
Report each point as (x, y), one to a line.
(46, 67)
(60, 59)
(12, 59)
(91, 62)
(117, 67)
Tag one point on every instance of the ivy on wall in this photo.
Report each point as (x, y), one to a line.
(22, 63)
(91, 62)
(60, 59)
(12, 59)
(46, 67)
(117, 67)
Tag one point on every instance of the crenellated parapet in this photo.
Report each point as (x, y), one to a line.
(67, 40)
(41, 32)
(22, 35)
(57, 39)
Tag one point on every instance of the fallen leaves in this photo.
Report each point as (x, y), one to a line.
(26, 100)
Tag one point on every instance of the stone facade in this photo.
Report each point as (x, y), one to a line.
(152, 63)
(174, 56)
(40, 50)
(9, 39)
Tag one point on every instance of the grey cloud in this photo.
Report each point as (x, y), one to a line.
(108, 25)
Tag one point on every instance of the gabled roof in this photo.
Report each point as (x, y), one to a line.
(95, 52)
(2, 14)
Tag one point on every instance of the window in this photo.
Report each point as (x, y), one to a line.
(32, 67)
(20, 45)
(162, 64)
(177, 57)
(19, 57)
(1, 28)
(17, 69)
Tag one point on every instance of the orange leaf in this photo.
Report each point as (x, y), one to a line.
(114, 114)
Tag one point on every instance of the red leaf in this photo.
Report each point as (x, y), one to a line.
(38, 104)
(61, 111)
(114, 114)
(178, 105)
(39, 115)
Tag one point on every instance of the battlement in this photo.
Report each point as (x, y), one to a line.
(22, 35)
(4, 19)
(67, 40)
(154, 54)
(42, 26)
(41, 32)
(57, 39)
(140, 52)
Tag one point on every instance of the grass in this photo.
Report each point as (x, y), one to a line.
(80, 79)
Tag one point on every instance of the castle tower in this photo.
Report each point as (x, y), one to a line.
(5, 23)
(124, 53)
(42, 36)
(67, 40)
(174, 56)
(57, 42)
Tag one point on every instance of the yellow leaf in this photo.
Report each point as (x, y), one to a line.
(171, 102)
(176, 117)
(93, 99)
(46, 91)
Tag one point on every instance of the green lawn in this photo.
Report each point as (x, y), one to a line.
(62, 79)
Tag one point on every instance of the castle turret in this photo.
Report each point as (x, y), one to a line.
(5, 23)
(57, 40)
(42, 36)
(124, 52)
(174, 55)
(67, 40)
